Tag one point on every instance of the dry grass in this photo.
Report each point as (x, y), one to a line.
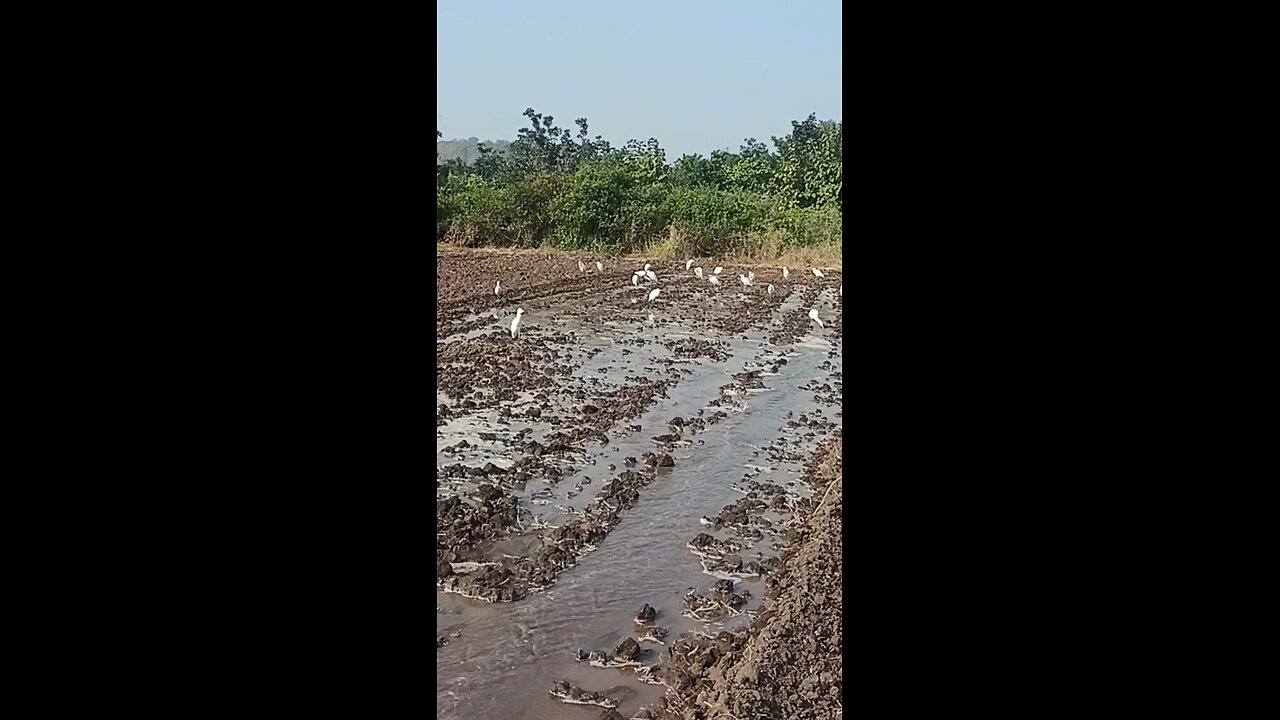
(754, 249)
(757, 249)
(765, 248)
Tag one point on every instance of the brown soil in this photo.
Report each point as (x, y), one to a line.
(465, 281)
(788, 663)
(499, 537)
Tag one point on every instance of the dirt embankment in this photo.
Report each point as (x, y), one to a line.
(788, 663)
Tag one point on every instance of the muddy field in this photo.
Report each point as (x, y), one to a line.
(639, 496)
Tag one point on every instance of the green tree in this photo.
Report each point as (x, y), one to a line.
(646, 160)
(696, 171)
(810, 171)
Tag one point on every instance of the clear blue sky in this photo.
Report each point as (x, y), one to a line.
(698, 75)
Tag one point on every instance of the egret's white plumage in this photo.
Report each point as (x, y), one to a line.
(646, 267)
(770, 289)
(743, 279)
(751, 275)
(497, 288)
(635, 280)
(599, 266)
(713, 279)
(813, 315)
(654, 293)
(688, 264)
(698, 271)
(817, 272)
(717, 270)
(785, 273)
(581, 267)
(651, 275)
(515, 324)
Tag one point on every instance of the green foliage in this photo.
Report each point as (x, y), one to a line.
(553, 186)
(533, 198)
(480, 212)
(809, 168)
(467, 150)
(586, 210)
(696, 171)
(801, 227)
(711, 220)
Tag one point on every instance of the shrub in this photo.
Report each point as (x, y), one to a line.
(479, 213)
(805, 227)
(710, 221)
(587, 210)
(548, 187)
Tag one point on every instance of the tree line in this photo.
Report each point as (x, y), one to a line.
(464, 150)
(553, 186)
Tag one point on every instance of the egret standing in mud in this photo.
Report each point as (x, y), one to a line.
(713, 279)
(515, 324)
(751, 276)
(654, 294)
(599, 266)
(817, 273)
(653, 277)
(698, 271)
(497, 288)
(688, 264)
(785, 273)
(813, 315)
(717, 270)
(581, 267)
(744, 280)
(635, 280)
(770, 289)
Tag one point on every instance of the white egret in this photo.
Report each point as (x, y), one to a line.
(751, 275)
(654, 293)
(652, 275)
(515, 324)
(785, 273)
(581, 267)
(717, 270)
(841, 289)
(688, 264)
(497, 288)
(813, 315)
(713, 279)
(744, 280)
(770, 289)
(599, 266)
(698, 271)
(817, 273)
(635, 280)
(646, 267)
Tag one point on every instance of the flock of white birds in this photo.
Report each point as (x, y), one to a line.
(646, 274)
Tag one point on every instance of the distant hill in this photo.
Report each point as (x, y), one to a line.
(467, 150)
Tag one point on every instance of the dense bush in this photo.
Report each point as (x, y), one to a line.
(550, 187)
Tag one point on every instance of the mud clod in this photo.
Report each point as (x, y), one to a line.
(646, 614)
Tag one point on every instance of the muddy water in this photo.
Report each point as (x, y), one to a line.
(505, 656)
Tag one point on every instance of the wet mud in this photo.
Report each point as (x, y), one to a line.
(788, 663)
(619, 454)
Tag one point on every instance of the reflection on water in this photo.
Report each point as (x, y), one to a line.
(506, 656)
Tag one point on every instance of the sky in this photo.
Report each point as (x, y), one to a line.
(698, 75)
